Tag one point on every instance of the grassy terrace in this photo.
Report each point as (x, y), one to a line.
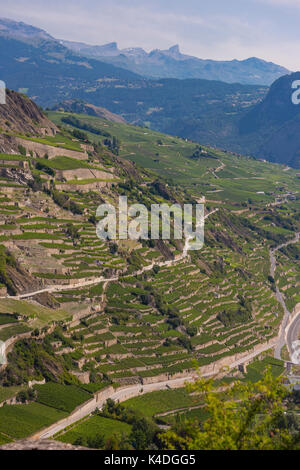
(213, 304)
(19, 421)
(59, 140)
(94, 427)
(134, 339)
(64, 398)
(169, 156)
(163, 401)
(68, 163)
(288, 274)
(40, 315)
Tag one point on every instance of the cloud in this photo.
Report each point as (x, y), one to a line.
(215, 29)
(284, 3)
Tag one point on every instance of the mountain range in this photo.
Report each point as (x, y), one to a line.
(84, 320)
(105, 321)
(242, 118)
(171, 63)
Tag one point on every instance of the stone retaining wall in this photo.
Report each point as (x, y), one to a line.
(39, 150)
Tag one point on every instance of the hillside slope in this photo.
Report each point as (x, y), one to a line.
(50, 72)
(219, 175)
(169, 63)
(129, 312)
(80, 107)
(271, 128)
(20, 114)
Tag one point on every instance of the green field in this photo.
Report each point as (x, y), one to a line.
(5, 319)
(8, 392)
(59, 140)
(161, 401)
(93, 427)
(256, 369)
(42, 315)
(66, 163)
(14, 330)
(19, 421)
(240, 179)
(196, 415)
(62, 397)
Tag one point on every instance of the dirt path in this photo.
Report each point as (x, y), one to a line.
(221, 167)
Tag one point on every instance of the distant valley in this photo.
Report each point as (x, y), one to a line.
(206, 111)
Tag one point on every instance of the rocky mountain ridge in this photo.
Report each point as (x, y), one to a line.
(170, 63)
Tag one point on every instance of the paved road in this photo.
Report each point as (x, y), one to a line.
(135, 390)
(98, 280)
(292, 336)
(57, 288)
(282, 334)
(119, 395)
(123, 394)
(281, 338)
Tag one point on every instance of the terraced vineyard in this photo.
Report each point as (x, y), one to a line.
(221, 176)
(288, 274)
(84, 313)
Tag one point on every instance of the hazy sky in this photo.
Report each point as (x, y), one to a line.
(215, 29)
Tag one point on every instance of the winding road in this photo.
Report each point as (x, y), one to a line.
(119, 395)
(292, 335)
(136, 390)
(132, 391)
(98, 280)
(286, 317)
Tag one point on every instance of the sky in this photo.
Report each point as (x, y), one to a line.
(214, 29)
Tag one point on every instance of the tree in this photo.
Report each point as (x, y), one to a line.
(92, 220)
(143, 433)
(118, 442)
(156, 269)
(146, 299)
(113, 248)
(72, 231)
(96, 442)
(81, 441)
(22, 150)
(249, 418)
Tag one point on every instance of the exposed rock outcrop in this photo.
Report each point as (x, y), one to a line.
(22, 115)
(41, 444)
(17, 175)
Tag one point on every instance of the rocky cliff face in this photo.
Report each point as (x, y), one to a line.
(21, 115)
(40, 445)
